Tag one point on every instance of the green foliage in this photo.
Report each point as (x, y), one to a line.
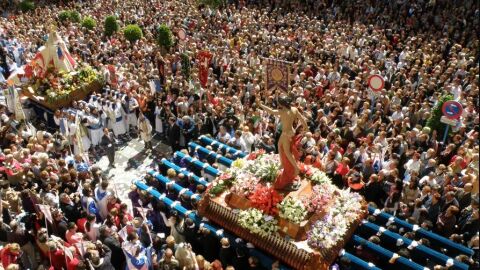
(89, 23)
(64, 15)
(164, 37)
(434, 121)
(75, 16)
(26, 5)
(69, 15)
(111, 25)
(213, 3)
(186, 66)
(132, 32)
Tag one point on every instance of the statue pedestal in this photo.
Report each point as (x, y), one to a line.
(289, 245)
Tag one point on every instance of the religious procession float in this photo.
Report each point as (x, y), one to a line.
(305, 228)
(53, 78)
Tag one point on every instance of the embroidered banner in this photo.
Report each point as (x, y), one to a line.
(204, 58)
(278, 74)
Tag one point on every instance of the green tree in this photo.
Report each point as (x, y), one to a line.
(69, 15)
(164, 37)
(64, 15)
(213, 3)
(26, 5)
(111, 25)
(434, 121)
(89, 23)
(75, 16)
(133, 32)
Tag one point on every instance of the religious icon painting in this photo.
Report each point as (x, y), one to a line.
(278, 75)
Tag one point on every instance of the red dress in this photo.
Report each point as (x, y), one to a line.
(288, 174)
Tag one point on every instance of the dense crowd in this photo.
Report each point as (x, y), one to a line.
(380, 145)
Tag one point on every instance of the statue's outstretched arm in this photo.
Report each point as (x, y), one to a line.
(269, 110)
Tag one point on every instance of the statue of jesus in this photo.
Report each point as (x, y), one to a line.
(286, 144)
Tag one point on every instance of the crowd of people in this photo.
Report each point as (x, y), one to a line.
(380, 145)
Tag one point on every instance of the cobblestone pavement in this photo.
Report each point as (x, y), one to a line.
(131, 162)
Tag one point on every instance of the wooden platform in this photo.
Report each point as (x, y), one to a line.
(79, 94)
(293, 252)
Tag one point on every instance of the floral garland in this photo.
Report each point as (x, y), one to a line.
(292, 210)
(266, 199)
(256, 222)
(332, 228)
(320, 197)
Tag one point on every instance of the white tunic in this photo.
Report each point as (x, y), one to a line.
(132, 117)
(118, 124)
(95, 130)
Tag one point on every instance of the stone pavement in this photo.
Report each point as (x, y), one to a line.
(131, 162)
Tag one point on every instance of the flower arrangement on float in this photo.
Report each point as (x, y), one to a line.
(59, 85)
(319, 198)
(256, 222)
(327, 232)
(325, 213)
(292, 210)
(266, 199)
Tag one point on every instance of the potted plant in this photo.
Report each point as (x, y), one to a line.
(132, 32)
(164, 38)
(111, 25)
(27, 5)
(89, 23)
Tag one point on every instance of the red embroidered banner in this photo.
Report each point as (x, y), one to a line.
(204, 58)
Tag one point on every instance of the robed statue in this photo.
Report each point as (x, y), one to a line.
(287, 144)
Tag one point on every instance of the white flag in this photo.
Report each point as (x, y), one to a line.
(68, 252)
(45, 209)
(123, 233)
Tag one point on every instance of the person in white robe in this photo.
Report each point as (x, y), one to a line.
(102, 195)
(131, 106)
(95, 130)
(116, 117)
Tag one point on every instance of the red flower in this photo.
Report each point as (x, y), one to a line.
(252, 156)
(266, 199)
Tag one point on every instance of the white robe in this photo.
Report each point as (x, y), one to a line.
(95, 130)
(101, 196)
(118, 123)
(131, 116)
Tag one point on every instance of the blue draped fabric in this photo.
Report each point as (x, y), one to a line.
(197, 163)
(178, 170)
(420, 249)
(225, 148)
(205, 153)
(386, 254)
(162, 179)
(434, 238)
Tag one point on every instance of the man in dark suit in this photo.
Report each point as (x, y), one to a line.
(109, 240)
(109, 143)
(173, 134)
